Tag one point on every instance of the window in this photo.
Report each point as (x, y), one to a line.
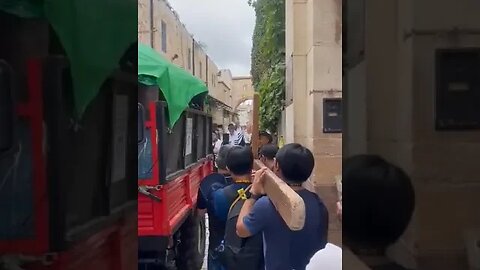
(189, 60)
(200, 69)
(164, 37)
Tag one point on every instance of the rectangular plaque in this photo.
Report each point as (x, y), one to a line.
(332, 115)
(457, 93)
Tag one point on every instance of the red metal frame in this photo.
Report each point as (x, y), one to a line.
(32, 110)
(151, 124)
(178, 197)
(109, 249)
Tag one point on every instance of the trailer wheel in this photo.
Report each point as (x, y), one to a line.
(191, 249)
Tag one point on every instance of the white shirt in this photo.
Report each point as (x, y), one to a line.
(236, 137)
(329, 258)
(248, 137)
(217, 146)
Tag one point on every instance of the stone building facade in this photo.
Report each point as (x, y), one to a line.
(160, 27)
(313, 110)
(412, 96)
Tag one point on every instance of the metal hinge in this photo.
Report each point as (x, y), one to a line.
(145, 190)
(15, 262)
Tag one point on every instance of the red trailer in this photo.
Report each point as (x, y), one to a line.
(173, 158)
(64, 203)
(171, 234)
(68, 191)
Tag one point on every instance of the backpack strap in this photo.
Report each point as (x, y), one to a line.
(230, 193)
(242, 195)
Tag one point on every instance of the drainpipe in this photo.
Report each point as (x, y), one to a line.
(193, 56)
(206, 74)
(152, 25)
(206, 69)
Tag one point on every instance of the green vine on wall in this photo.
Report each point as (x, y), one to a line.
(268, 60)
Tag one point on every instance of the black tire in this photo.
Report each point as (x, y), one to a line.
(191, 249)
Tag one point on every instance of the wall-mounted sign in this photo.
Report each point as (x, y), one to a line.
(457, 95)
(332, 115)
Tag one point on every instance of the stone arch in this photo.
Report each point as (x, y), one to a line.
(240, 101)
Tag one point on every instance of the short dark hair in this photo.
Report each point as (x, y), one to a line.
(379, 200)
(269, 151)
(240, 160)
(267, 135)
(296, 162)
(221, 159)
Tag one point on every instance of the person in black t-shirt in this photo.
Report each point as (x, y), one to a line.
(267, 155)
(208, 186)
(380, 200)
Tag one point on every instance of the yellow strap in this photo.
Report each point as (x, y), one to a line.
(243, 181)
(242, 195)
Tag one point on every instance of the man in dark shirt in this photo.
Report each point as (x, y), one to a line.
(267, 155)
(239, 162)
(208, 186)
(265, 138)
(285, 249)
(235, 163)
(370, 186)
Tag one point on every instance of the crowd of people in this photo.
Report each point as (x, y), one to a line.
(236, 135)
(247, 232)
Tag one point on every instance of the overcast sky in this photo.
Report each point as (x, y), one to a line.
(224, 26)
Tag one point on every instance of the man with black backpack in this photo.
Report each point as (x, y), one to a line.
(236, 253)
(285, 249)
(208, 186)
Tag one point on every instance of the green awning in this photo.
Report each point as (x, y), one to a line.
(94, 33)
(177, 85)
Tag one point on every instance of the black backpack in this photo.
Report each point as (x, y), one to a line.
(240, 253)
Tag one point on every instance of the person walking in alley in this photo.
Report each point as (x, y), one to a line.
(369, 227)
(267, 155)
(237, 253)
(371, 185)
(236, 135)
(239, 162)
(217, 144)
(208, 186)
(264, 138)
(283, 248)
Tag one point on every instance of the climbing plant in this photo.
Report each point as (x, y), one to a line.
(268, 60)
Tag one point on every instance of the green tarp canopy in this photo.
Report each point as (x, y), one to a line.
(177, 85)
(94, 33)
